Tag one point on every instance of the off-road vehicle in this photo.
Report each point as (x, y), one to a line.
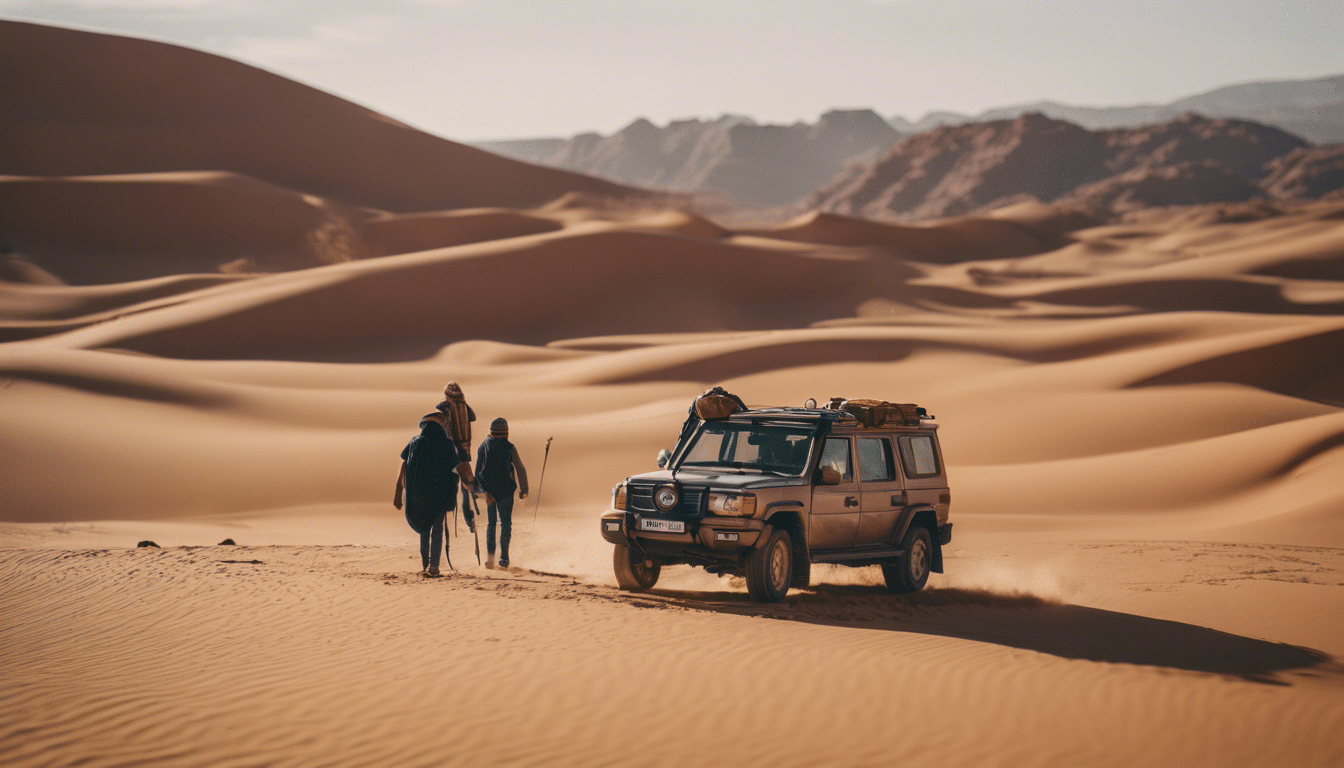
(764, 493)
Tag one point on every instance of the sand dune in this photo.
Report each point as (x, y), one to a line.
(79, 103)
(394, 308)
(100, 229)
(406, 233)
(960, 240)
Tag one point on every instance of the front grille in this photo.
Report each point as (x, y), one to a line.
(640, 499)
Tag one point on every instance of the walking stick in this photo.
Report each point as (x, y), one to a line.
(476, 527)
(447, 550)
(545, 457)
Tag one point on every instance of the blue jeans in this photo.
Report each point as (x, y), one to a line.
(431, 544)
(502, 510)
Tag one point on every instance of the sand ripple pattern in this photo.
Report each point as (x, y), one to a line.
(341, 656)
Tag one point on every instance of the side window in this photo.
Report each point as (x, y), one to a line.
(918, 457)
(875, 460)
(836, 456)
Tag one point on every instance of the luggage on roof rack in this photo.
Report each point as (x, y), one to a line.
(717, 403)
(880, 413)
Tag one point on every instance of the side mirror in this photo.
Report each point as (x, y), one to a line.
(829, 476)
(664, 456)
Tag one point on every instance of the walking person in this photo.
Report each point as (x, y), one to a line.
(459, 418)
(499, 472)
(431, 466)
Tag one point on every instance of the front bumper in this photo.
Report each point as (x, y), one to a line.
(710, 533)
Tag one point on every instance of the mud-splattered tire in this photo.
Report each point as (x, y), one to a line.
(632, 573)
(770, 568)
(911, 573)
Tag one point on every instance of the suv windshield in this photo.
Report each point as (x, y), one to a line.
(779, 449)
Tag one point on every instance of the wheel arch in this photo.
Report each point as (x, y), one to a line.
(924, 515)
(788, 515)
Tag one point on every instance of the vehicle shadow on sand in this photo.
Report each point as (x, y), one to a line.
(1026, 622)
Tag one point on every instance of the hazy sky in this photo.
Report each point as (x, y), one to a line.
(469, 69)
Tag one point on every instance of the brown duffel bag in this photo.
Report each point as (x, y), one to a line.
(880, 413)
(718, 403)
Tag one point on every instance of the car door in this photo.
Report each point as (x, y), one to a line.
(881, 493)
(925, 482)
(835, 508)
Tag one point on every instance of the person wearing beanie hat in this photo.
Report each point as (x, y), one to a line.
(499, 472)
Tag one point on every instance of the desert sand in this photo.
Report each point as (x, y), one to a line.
(1142, 418)
(1143, 428)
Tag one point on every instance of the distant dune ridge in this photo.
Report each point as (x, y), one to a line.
(268, 171)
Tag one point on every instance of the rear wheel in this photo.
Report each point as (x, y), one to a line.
(911, 572)
(770, 568)
(633, 573)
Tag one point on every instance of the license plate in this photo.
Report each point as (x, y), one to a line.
(662, 526)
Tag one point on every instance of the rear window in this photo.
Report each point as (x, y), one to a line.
(918, 456)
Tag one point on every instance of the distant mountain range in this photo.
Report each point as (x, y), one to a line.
(954, 170)
(762, 164)
(774, 165)
(1312, 109)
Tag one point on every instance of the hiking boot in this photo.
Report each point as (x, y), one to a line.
(503, 562)
(490, 560)
(432, 572)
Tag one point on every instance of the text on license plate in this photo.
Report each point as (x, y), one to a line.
(662, 526)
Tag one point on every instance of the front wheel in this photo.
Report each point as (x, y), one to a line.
(634, 574)
(770, 568)
(911, 572)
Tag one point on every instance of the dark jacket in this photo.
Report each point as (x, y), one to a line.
(431, 475)
(499, 470)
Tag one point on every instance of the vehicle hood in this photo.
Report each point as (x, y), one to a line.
(731, 481)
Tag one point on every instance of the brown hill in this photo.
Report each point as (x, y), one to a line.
(79, 103)
(1307, 173)
(960, 169)
(1187, 183)
(1242, 147)
(763, 164)
(957, 169)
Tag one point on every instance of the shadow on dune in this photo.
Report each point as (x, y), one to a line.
(1026, 622)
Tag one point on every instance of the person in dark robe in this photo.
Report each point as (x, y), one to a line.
(431, 466)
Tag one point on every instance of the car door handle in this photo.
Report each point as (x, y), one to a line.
(850, 501)
(898, 500)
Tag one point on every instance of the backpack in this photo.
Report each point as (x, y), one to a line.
(494, 467)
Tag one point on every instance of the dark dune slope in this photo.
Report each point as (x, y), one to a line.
(81, 103)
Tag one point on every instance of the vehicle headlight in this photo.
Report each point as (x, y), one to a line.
(618, 496)
(735, 504)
